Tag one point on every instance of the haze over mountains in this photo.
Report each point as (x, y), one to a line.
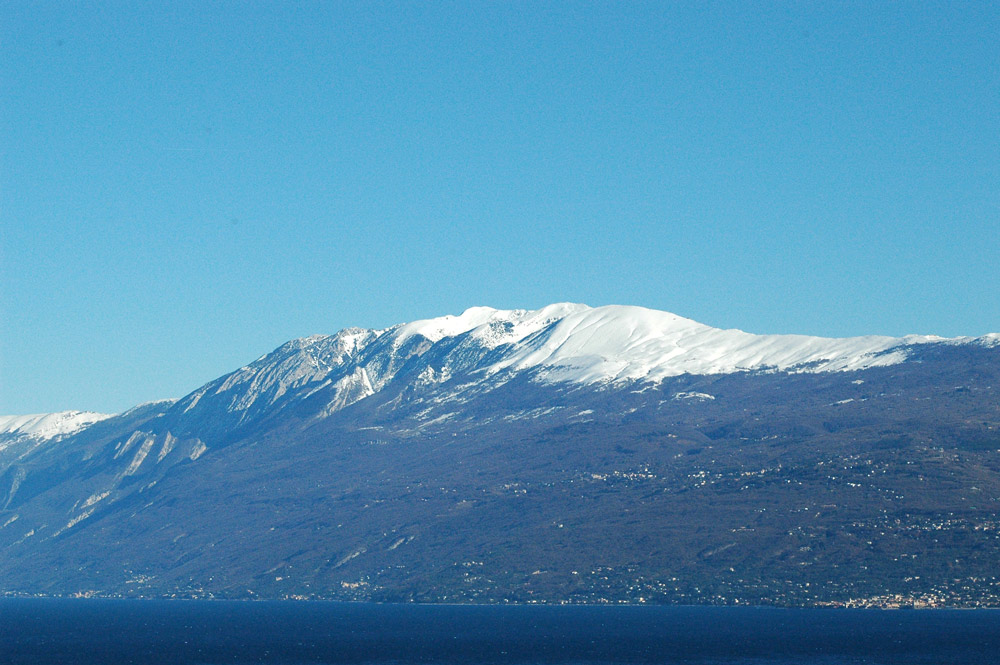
(567, 454)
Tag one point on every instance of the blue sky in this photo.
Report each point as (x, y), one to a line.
(187, 185)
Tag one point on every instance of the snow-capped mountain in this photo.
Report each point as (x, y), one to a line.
(19, 434)
(439, 365)
(482, 348)
(441, 460)
(44, 426)
(560, 344)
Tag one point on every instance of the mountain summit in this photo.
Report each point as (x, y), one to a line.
(560, 343)
(566, 454)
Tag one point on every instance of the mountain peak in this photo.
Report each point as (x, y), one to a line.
(483, 347)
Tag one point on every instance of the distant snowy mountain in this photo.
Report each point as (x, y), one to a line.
(44, 426)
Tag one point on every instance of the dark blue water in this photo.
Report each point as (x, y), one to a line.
(180, 632)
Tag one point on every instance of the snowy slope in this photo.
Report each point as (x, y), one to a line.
(571, 342)
(484, 347)
(44, 426)
(618, 343)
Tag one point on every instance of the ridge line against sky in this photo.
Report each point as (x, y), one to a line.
(188, 186)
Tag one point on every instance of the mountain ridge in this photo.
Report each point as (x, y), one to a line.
(564, 342)
(567, 342)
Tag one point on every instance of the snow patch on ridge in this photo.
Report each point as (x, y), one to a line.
(46, 426)
(490, 327)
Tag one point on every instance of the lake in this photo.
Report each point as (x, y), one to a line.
(180, 632)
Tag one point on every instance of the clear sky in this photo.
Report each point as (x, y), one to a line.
(187, 185)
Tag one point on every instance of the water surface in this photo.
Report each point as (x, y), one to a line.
(182, 632)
